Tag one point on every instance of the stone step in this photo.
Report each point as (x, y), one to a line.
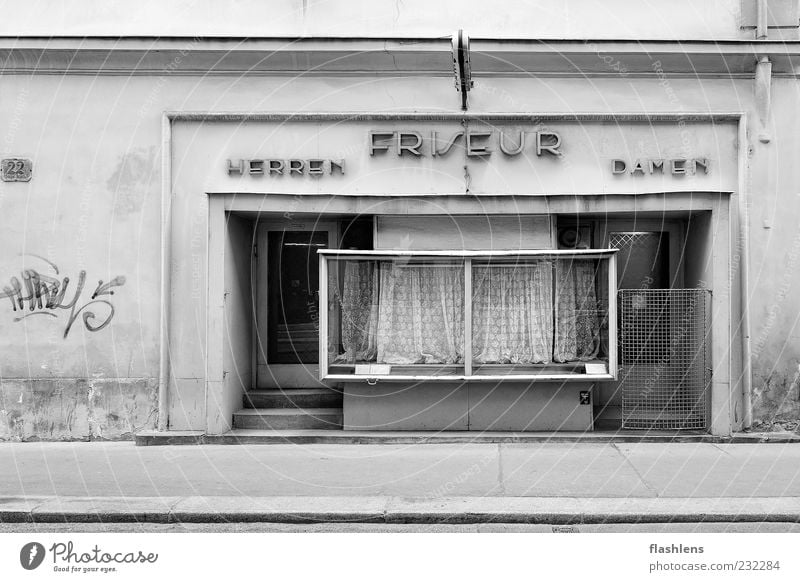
(288, 418)
(293, 398)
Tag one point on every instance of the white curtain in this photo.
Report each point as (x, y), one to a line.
(577, 335)
(360, 311)
(512, 311)
(421, 314)
(414, 314)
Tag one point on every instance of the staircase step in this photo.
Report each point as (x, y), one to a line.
(293, 398)
(288, 418)
(608, 417)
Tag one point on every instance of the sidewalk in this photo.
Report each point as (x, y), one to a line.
(433, 483)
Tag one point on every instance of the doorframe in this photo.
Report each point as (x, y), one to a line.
(282, 375)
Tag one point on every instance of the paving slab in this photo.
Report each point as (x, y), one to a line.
(91, 469)
(543, 470)
(735, 470)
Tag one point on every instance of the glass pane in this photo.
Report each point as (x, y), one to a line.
(512, 313)
(293, 322)
(539, 316)
(396, 317)
(357, 306)
(530, 316)
(581, 311)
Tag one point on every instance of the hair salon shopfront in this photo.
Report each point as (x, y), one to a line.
(452, 272)
(356, 253)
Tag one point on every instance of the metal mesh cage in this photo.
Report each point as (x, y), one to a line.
(663, 358)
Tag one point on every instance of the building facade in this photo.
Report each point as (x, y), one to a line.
(349, 218)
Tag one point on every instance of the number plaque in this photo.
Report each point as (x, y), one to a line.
(16, 170)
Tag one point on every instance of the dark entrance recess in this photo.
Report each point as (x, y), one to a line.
(294, 296)
(293, 289)
(642, 260)
(357, 234)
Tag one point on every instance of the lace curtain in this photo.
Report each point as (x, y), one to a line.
(577, 335)
(414, 314)
(421, 314)
(512, 314)
(360, 311)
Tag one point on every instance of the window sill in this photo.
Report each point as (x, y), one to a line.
(484, 374)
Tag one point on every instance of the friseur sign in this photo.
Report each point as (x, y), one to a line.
(476, 143)
(408, 143)
(414, 149)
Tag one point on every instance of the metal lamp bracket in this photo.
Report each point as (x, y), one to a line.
(461, 65)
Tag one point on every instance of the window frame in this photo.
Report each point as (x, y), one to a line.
(468, 257)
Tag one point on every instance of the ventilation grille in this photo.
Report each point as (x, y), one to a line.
(663, 357)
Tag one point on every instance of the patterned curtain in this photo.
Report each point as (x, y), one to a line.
(421, 314)
(414, 314)
(360, 311)
(577, 318)
(512, 311)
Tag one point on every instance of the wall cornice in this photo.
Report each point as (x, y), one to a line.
(158, 56)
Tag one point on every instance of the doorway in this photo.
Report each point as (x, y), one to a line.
(649, 260)
(287, 300)
(286, 295)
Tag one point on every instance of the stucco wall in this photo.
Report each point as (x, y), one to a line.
(677, 19)
(93, 206)
(775, 261)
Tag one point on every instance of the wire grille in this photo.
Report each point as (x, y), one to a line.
(642, 259)
(663, 357)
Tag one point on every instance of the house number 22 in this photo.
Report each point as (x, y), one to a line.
(16, 170)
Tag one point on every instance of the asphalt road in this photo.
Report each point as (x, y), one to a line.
(399, 528)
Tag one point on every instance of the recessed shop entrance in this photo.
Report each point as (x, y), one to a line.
(286, 392)
(288, 313)
(286, 295)
(663, 327)
(475, 217)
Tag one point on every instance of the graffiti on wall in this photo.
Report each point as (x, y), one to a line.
(34, 293)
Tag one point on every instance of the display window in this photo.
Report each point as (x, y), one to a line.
(462, 315)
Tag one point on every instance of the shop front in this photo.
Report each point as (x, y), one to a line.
(450, 272)
(367, 222)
